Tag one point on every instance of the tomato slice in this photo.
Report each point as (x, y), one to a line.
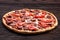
(17, 15)
(31, 27)
(44, 25)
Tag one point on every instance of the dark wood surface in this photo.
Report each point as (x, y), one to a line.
(29, 1)
(51, 6)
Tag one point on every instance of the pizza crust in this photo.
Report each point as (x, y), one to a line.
(27, 31)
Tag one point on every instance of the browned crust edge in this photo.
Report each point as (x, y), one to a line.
(29, 32)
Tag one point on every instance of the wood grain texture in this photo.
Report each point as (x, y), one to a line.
(31, 1)
(6, 34)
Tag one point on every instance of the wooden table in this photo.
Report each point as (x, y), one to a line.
(49, 5)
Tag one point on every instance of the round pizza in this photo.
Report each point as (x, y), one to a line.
(28, 21)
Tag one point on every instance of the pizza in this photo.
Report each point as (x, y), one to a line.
(28, 21)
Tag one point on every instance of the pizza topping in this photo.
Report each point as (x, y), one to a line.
(13, 24)
(30, 19)
(33, 20)
(17, 12)
(32, 27)
(40, 15)
(9, 16)
(43, 24)
(23, 11)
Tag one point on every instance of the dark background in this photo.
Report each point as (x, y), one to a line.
(49, 5)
